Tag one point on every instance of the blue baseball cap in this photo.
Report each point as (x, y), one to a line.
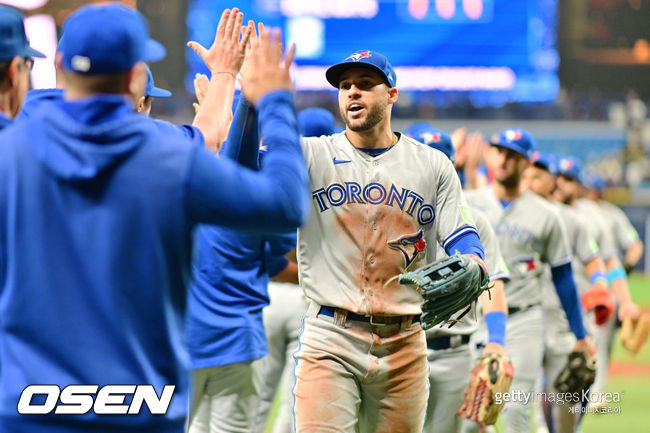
(571, 167)
(594, 181)
(517, 140)
(545, 161)
(105, 39)
(13, 39)
(427, 134)
(152, 90)
(362, 59)
(314, 122)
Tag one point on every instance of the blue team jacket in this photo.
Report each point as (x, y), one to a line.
(97, 209)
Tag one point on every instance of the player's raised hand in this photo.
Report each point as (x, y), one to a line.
(268, 70)
(246, 66)
(226, 54)
(201, 83)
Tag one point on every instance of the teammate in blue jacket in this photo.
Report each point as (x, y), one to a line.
(16, 61)
(96, 215)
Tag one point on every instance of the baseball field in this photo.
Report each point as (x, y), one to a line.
(629, 376)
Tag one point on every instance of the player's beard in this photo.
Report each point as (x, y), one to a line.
(375, 114)
(510, 181)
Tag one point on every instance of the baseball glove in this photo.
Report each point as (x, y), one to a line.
(602, 301)
(634, 333)
(491, 375)
(577, 375)
(448, 286)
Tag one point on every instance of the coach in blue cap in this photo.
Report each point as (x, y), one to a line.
(151, 91)
(97, 213)
(16, 60)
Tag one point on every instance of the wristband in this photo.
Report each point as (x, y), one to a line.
(618, 273)
(598, 276)
(496, 325)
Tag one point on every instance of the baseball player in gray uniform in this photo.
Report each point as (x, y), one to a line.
(530, 234)
(381, 203)
(626, 238)
(448, 350)
(570, 174)
(589, 271)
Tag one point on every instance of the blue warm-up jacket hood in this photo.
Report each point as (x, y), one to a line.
(81, 143)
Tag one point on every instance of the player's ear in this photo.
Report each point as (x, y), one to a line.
(140, 106)
(137, 84)
(13, 71)
(392, 95)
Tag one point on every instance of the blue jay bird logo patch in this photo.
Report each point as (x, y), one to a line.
(358, 56)
(410, 246)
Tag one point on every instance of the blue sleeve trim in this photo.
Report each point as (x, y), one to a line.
(568, 294)
(457, 233)
(466, 242)
(496, 326)
(500, 276)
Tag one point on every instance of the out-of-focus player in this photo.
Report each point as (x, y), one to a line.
(380, 204)
(590, 273)
(449, 354)
(530, 235)
(97, 210)
(626, 238)
(16, 61)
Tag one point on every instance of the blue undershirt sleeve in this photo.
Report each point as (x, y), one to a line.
(274, 199)
(242, 144)
(275, 263)
(568, 294)
(467, 243)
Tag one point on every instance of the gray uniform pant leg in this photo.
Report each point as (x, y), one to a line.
(282, 321)
(448, 379)
(225, 398)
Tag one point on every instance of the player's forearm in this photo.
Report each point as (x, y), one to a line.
(633, 254)
(214, 115)
(618, 280)
(495, 299)
(242, 144)
(597, 272)
(568, 293)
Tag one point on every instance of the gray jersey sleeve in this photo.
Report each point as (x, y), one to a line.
(455, 217)
(623, 232)
(493, 258)
(556, 249)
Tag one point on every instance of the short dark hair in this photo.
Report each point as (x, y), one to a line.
(98, 83)
(4, 68)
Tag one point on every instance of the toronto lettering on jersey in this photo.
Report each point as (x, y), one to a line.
(374, 193)
(108, 400)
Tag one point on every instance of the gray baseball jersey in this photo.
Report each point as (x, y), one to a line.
(623, 232)
(373, 218)
(584, 248)
(498, 271)
(530, 233)
(592, 215)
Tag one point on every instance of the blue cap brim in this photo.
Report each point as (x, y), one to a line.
(30, 52)
(333, 73)
(511, 147)
(157, 92)
(154, 51)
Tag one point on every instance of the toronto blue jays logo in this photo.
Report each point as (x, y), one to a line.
(513, 135)
(410, 246)
(358, 56)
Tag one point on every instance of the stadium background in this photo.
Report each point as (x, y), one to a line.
(573, 72)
